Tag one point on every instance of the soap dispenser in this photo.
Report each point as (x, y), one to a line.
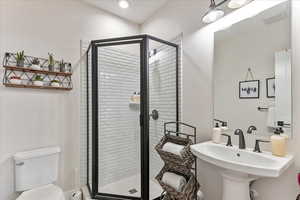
(132, 98)
(283, 134)
(278, 143)
(224, 127)
(216, 135)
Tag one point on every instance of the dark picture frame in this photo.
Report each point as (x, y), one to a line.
(249, 89)
(270, 85)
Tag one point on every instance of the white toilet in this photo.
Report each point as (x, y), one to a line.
(35, 173)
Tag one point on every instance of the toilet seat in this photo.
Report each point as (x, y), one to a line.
(47, 192)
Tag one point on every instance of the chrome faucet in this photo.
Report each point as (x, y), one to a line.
(242, 144)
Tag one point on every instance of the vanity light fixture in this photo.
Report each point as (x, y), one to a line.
(214, 13)
(124, 3)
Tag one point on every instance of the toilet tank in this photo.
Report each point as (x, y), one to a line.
(36, 168)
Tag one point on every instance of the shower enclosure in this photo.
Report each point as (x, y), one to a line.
(132, 89)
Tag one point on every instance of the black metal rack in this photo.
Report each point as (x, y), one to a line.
(178, 133)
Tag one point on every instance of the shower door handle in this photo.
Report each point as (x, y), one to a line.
(154, 114)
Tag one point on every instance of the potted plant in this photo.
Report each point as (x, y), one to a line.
(20, 59)
(15, 80)
(69, 69)
(62, 66)
(55, 83)
(38, 80)
(35, 64)
(51, 62)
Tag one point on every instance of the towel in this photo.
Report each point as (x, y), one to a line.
(200, 195)
(271, 117)
(173, 148)
(175, 181)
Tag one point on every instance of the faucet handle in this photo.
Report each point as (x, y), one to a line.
(229, 143)
(257, 147)
(251, 129)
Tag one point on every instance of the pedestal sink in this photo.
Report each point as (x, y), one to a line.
(239, 167)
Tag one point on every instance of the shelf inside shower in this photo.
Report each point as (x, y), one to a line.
(134, 104)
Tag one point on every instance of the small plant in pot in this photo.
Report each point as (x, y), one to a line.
(51, 62)
(20, 59)
(38, 80)
(15, 80)
(69, 68)
(62, 66)
(35, 64)
(55, 83)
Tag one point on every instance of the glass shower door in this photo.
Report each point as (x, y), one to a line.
(119, 158)
(163, 100)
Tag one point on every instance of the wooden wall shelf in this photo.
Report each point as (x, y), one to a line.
(25, 69)
(28, 75)
(35, 87)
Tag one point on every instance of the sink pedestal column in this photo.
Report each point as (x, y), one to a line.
(236, 186)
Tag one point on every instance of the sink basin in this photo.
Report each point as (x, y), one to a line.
(240, 167)
(246, 161)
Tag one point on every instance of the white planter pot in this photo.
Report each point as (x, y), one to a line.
(36, 67)
(16, 81)
(25, 82)
(38, 83)
(55, 84)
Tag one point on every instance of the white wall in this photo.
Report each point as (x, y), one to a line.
(36, 118)
(198, 49)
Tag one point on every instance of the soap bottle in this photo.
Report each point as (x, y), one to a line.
(224, 127)
(216, 135)
(132, 99)
(278, 144)
(283, 134)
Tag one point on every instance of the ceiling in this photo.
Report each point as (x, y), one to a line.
(138, 12)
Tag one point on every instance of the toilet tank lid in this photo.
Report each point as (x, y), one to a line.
(36, 153)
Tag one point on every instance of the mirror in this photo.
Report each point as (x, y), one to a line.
(252, 72)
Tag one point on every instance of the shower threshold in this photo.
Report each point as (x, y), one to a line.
(131, 186)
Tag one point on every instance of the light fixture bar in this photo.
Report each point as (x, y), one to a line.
(214, 13)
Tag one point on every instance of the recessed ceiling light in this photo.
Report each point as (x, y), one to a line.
(124, 3)
(234, 4)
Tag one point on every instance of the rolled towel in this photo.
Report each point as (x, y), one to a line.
(173, 148)
(175, 181)
(200, 195)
